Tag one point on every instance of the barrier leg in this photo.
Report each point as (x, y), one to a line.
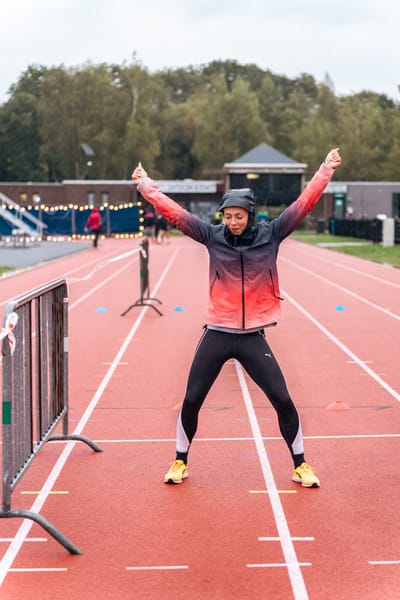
(76, 437)
(51, 530)
(142, 302)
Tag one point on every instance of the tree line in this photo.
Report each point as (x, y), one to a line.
(187, 122)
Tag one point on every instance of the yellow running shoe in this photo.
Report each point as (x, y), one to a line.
(305, 475)
(177, 472)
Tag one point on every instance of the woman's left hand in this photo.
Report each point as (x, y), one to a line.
(138, 174)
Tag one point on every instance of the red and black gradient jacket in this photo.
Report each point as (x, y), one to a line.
(243, 280)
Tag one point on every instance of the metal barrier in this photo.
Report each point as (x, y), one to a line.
(397, 231)
(145, 299)
(35, 388)
(367, 229)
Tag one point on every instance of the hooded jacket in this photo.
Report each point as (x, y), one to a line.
(94, 220)
(243, 197)
(243, 279)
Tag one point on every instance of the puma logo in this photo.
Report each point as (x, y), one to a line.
(269, 355)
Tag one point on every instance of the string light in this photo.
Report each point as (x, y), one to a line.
(52, 210)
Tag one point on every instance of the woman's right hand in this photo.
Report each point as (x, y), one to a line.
(333, 158)
(138, 174)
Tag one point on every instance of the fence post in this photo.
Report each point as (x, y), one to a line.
(34, 388)
(145, 299)
(388, 232)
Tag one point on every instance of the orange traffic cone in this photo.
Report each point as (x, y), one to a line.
(338, 405)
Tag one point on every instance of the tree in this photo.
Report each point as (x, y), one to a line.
(180, 84)
(186, 122)
(20, 139)
(390, 166)
(319, 130)
(364, 137)
(177, 133)
(146, 99)
(60, 124)
(227, 124)
(20, 119)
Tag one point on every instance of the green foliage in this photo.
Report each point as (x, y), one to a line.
(177, 134)
(224, 129)
(186, 122)
(20, 141)
(318, 130)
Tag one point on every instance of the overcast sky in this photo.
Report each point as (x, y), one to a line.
(355, 41)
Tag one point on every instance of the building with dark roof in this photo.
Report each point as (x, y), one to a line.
(275, 178)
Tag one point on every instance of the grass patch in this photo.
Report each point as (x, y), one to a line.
(4, 270)
(382, 254)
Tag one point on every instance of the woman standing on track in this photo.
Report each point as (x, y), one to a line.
(243, 300)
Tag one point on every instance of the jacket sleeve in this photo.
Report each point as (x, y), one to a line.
(185, 221)
(295, 213)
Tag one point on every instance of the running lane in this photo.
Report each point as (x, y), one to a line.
(238, 527)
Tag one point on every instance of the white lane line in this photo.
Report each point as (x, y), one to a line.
(26, 540)
(352, 362)
(291, 562)
(272, 565)
(384, 562)
(25, 527)
(93, 289)
(120, 364)
(38, 570)
(351, 269)
(121, 256)
(343, 289)
(294, 539)
(99, 264)
(66, 275)
(157, 568)
(21, 271)
(267, 491)
(358, 436)
(98, 286)
(344, 348)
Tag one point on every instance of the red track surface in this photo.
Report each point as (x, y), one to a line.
(238, 528)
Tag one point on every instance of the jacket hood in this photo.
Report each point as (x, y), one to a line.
(243, 197)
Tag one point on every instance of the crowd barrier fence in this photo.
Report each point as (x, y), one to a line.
(34, 389)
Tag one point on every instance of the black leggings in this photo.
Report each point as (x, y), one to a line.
(96, 233)
(256, 357)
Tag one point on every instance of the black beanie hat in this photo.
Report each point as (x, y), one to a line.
(243, 197)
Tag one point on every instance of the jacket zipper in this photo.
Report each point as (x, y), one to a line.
(243, 297)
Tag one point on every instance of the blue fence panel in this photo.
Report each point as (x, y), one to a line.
(59, 222)
(72, 221)
(124, 220)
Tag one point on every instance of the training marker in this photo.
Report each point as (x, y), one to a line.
(338, 405)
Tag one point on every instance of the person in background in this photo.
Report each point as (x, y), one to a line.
(244, 300)
(161, 230)
(149, 220)
(93, 224)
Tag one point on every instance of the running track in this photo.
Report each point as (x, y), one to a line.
(238, 528)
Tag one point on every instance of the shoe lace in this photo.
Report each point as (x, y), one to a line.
(176, 465)
(306, 468)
